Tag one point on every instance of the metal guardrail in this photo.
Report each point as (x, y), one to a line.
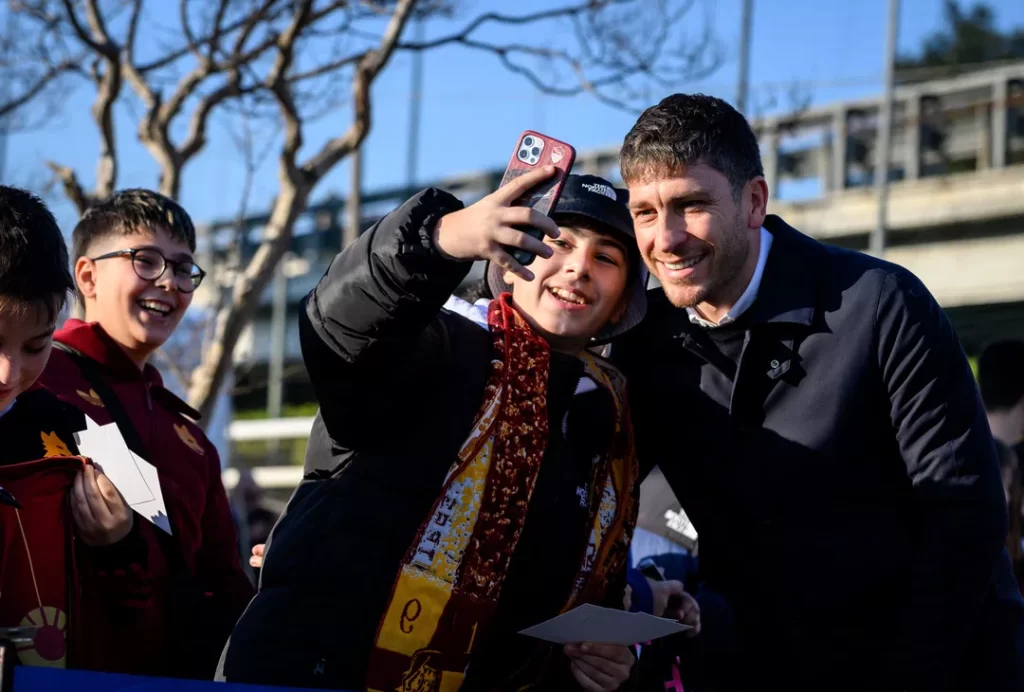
(268, 477)
(270, 429)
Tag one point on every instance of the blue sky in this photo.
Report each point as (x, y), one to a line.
(473, 109)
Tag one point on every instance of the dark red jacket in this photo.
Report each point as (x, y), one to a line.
(86, 600)
(199, 587)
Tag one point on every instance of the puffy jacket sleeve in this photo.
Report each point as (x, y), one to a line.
(370, 334)
(958, 507)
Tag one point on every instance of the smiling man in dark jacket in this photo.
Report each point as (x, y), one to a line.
(465, 482)
(814, 413)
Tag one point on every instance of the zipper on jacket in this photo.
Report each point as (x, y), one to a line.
(149, 399)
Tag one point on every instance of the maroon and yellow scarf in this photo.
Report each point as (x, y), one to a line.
(448, 587)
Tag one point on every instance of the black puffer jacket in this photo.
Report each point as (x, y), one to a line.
(399, 381)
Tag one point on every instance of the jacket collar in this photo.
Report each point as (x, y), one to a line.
(89, 339)
(789, 289)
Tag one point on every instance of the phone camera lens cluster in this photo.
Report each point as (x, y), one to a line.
(530, 149)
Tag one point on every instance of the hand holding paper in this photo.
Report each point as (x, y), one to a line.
(600, 667)
(99, 511)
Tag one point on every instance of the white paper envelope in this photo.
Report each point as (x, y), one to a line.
(105, 446)
(597, 625)
(136, 479)
(154, 510)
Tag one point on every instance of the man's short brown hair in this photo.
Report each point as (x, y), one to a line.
(686, 130)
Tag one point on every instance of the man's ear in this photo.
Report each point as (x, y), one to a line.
(85, 277)
(757, 192)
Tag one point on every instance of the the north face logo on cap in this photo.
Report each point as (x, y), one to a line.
(601, 189)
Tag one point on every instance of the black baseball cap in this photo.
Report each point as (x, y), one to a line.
(597, 199)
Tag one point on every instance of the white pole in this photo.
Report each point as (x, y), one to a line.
(744, 72)
(884, 142)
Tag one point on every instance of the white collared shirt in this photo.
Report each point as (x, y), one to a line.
(749, 295)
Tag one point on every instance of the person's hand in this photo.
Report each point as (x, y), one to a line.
(627, 599)
(99, 512)
(600, 667)
(479, 231)
(256, 559)
(672, 601)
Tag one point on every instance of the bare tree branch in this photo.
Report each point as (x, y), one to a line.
(608, 46)
(196, 138)
(109, 88)
(496, 17)
(276, 82)
(296, 184)
(96, 23)
(73, 190)
(133, 29)
(208, 67)
(366, 71)
(40, 84)
(326, 68)
(250, 24)
(250, 21)
(83, 35)
(186, 30)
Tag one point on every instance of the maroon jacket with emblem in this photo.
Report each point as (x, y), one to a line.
(199, 586)
(86, 600)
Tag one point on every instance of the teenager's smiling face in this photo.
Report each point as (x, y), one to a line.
(139, 314)
(578, 290)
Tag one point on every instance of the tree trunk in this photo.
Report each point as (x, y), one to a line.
(232, 319)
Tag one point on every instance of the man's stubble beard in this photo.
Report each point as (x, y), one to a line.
(728, 258)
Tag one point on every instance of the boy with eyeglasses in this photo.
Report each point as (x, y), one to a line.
(135, 272)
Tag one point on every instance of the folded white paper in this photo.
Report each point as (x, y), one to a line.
(136, 479)
(594, 624)
(155, 510)
(107, 449)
